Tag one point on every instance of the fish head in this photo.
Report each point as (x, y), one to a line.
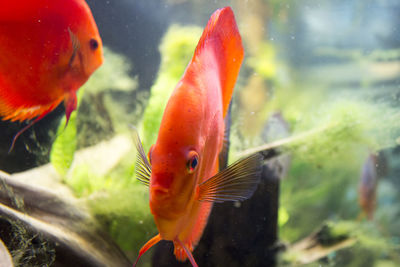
(84, 51)
(172, 185)
(89, 49)
(85, 44)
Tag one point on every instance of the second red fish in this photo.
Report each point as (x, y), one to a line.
(48, 49)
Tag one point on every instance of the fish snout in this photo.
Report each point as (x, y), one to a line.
(159, 191)
(160, 185)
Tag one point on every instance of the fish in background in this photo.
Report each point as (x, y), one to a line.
(277, 128)
(370, 173)
(181, 169)
(48, 50)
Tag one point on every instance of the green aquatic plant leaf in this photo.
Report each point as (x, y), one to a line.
(283, 216)
(264, 63)
(63, 149)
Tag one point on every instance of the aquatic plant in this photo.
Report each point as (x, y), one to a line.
(338, 136)
(334, 127)
(63, 149)
(112, 75)
(107, 107)
(339, 243)
(264, 63)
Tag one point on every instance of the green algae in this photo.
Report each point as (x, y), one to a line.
(112, 75)
(63, 149)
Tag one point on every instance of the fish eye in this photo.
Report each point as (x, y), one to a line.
(193, 161)
(94, 44)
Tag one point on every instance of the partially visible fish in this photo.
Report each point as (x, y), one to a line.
(368, 185)
(277, 128)
(181, 169)
(48, 49)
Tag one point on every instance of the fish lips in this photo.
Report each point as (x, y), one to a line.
(160, 185)
(159, 192)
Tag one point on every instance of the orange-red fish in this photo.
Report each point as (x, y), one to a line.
(182, 166)
(368, 185)
(48, 49)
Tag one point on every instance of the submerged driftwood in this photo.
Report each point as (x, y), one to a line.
(318, 245)
(41, 228)
(65, 231)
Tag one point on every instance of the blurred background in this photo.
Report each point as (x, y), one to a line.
(330, 69)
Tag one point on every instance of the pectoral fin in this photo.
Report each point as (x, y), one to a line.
(237, 182)
(143, 166)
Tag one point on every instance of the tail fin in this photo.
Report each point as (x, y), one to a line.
(221, 39)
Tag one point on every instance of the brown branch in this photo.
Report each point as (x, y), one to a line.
(278, 147)
(70, 229)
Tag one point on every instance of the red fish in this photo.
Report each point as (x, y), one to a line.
(48, 49)
(182, 166)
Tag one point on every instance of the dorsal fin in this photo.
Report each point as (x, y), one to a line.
(221, 38)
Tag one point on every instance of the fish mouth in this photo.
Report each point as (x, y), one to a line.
(159, 191)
